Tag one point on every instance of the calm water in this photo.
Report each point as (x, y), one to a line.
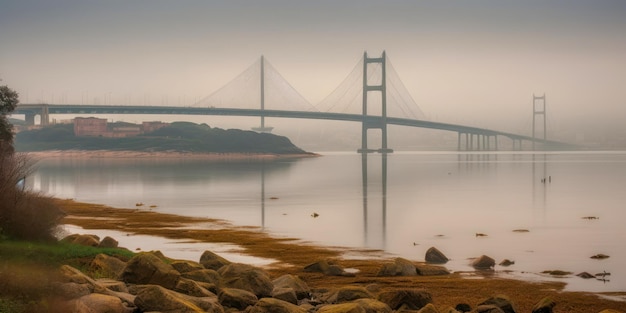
(411, 201)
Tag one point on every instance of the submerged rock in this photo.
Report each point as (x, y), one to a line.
(433, 255)
(483, 263)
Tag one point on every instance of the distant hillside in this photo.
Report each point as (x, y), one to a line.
(178, 136)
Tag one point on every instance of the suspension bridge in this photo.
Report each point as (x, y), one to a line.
(372, 94)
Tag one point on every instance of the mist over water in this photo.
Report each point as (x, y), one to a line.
(439, 199)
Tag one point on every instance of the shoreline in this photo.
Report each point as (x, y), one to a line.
(293, 255)
(122, 154)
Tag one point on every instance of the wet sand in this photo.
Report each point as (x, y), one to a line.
(293, 255)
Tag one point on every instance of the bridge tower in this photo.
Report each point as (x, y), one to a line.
(539, 108)
(262, 128)
(370, 122)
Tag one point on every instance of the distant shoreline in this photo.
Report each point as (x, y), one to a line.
(127, 154)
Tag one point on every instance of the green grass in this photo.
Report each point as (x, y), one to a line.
(53, 254)
(28, 270)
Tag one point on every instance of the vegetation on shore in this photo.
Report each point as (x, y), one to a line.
(178, 136)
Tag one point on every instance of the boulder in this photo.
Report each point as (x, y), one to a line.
(327, 268)
(429, 308)
(506, 262)
(294, 282)
(147, 268)
(286, 294)
(84, 240)
(203, 275)
(405, 267)
(349, 293)
(463, 307)
(157, 298)
(434, 256)
(413, 299)
(483, 263)
(96, 303)
(487, 308)
(502, 302)
(246, 277)
(399, 267)
(236, 298)
(72, 290)
(107, 266)
(585, 275)
(270, 305)
(373, 306)
(431, 270)
(545, 305)
(112, 284)
(108, 242)
(212, 261)
(69, 274)
(342, 308)
(184, 266)
(192, 288)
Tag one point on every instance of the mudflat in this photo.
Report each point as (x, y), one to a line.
(293, 255)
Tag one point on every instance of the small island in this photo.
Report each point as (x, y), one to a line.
(90, 134)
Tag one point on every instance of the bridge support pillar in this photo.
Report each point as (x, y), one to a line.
(262, 128)
(30, 119)
(368, 121)
(539, 108)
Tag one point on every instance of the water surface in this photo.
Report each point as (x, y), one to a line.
(403, 203)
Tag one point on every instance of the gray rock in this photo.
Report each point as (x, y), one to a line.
(98, 303)
(431, 270)
(342, 308)
(203, 275)
(413, 299)
(237, 298)
(286, 294)
(373, 306)
(301, 289)
(212, 261)
(107, 266)
(545, 305)
(192, 288)
(487, 308)
(246, 277)
(502, 302)
(108, 242)
(157, 298)
(270, 305)
(350, 293)
(434, 256)
(483, 263)
(147, 268)
(184, 266)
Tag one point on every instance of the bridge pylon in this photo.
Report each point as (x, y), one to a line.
(539, 108)
(369, 121)
(263, 128)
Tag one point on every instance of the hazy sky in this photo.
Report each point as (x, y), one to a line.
(473, 62)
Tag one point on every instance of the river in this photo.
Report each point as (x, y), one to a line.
(403, 203)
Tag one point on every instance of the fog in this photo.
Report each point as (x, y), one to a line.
(475, 63)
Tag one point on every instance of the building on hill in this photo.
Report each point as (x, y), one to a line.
(99, 127)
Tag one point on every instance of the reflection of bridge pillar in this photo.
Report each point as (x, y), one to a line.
(365, 199)
(371, 123)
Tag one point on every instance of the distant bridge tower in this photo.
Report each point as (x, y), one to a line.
(368, 121)
(262, 128)
(539, 108)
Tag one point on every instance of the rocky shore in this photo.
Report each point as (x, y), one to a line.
(305, 277)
